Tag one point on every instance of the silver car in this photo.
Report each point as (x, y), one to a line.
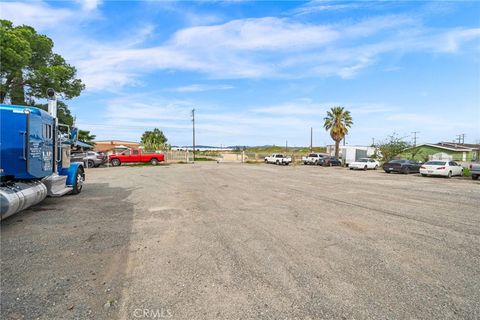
(91, 159)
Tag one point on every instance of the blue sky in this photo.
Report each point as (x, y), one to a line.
(265, 72)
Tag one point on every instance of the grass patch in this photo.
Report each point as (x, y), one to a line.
(204, 159)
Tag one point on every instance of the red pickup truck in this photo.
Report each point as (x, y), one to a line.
(129, 156)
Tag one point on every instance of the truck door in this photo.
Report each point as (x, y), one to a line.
(40, 146)
(136, 156)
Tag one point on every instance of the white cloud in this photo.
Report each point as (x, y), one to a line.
(202, 87)
(38, 14)
(274, 48)
(267, 47)
(89, 5)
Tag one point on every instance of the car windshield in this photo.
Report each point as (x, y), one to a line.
(362, 160)
(398, 161)
(435, 163)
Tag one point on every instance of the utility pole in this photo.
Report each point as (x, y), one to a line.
(415, 138)
(460, 138)
(193, 127)
(311, 139)
(373, 142)
(286, 146)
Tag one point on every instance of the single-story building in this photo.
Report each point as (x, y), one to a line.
(461, 152)
(115, 146)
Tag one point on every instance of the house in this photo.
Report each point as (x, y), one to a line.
(115, 146)
(462, 152)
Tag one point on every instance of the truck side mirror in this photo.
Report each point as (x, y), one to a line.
(74, 135)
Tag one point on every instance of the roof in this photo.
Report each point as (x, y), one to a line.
(30, 109)
(460, 145)
(83, 145)
(116, 142)
(447, 146)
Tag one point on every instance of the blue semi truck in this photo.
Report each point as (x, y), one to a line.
(35, 157)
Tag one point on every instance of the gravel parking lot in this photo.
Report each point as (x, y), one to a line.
(232, 241)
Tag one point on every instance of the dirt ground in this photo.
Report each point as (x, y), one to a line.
(225, 241)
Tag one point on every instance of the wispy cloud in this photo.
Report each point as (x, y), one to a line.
(267, 47)
(89, 5)
(40, 13)
(202, 87)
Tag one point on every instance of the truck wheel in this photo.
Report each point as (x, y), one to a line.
(116, 162)
(365, 168)
(79, 178)
(407, 171)
(474, 177)
(90, 164)
(387, 171)
(278, 162)
(154, 162)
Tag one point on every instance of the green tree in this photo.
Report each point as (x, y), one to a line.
(392, 146)
(29, 67)
(338, 121)
(86, 137)
(153, 140)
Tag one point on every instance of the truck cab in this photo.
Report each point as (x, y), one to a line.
(34, 158)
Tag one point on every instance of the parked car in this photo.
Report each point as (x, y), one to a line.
(90, 159)
(475, 170)
(131, 156)
(95, 159)
(278, 158)
(312, 158)
(364, 164)
(78, 157)
(441, 168)
(329, 162)
(402, 166)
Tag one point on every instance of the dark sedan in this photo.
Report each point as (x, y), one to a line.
(329, 162)
(402, 166)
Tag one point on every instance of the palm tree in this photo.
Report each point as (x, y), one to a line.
(338, 120)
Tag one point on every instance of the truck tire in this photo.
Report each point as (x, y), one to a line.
(90, 164)
(277, 163)
(154, 161)
(474, 176)
(79, 178)
(365, 168)
(116, 162)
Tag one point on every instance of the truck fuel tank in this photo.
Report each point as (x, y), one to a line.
(18, 196)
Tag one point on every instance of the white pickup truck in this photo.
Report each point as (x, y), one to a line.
(278, 158)
(312, 158)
